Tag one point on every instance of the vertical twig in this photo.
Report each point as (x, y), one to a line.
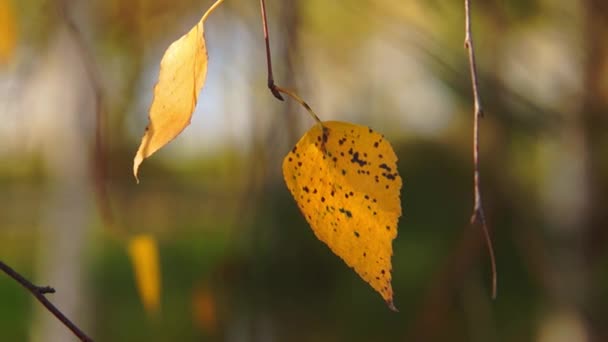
(275, 89)
(39, 292)
(271, 84)
(478, 212)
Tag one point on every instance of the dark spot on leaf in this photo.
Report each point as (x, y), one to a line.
(356, 233)
(322, 199)
(343, 172)
(356, 159)
(346, 212)
(386, 167)
(305, 189)
(389, 176)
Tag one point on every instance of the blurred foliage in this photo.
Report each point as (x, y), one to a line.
(238, 260)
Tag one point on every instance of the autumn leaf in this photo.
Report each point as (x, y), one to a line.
(344, 179)
(8, 31)
(143, 251)
(183, 70)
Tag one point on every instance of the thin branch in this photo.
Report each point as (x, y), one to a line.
(39, 292)
(478, 212)
(271, 84)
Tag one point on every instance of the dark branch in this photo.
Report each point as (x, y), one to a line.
(39, 292)
(478, 212)
(271, 85)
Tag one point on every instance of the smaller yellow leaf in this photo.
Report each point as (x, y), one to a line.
(344, 178)
(183, 70)
(8, 31)
(143, 251)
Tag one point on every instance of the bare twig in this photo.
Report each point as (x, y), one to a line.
(271, 84)
(478, 212)
(39, 292)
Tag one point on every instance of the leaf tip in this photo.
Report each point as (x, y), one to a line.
(136, 163)
(391, 305)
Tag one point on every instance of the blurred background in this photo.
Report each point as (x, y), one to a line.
(239, 262)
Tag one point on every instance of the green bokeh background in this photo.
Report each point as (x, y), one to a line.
(227, 227)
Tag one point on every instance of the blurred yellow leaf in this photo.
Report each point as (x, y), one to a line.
(183, 69)
(345, 181)
(8, 31)
(143, 251)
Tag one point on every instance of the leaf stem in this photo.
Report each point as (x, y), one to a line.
(300, 101)
(39, 293)
(478, 212)
(211, 9)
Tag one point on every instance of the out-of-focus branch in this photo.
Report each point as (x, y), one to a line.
(39, 293)
(99, 153)
(478, 216)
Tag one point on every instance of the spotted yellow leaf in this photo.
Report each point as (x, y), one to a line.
(143, 251)
(344, 179)
(183, 70)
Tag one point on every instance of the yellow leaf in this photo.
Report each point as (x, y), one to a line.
(183, 69)
(143, 251)
(345, 181)
(8, 31)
